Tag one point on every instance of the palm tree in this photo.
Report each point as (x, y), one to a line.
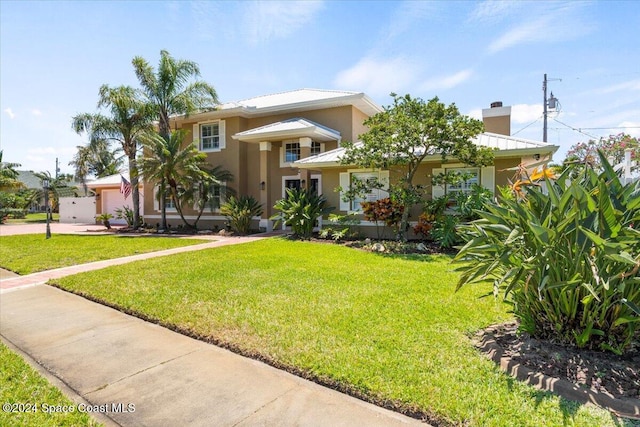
(129, 118)
(96, 158)
(173, 167)
(209, 192)
(8, 174)
(169, 90)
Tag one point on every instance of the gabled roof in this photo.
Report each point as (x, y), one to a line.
(506, 146)
(292, 128)
(295, 100)
(29, 179)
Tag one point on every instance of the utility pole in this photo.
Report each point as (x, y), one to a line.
(551, 103)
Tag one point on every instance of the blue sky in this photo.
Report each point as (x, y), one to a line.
(55, 55)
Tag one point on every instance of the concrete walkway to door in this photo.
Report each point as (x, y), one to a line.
(107, 359)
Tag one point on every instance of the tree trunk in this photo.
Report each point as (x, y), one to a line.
(135, 193)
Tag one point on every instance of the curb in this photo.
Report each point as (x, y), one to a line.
(625, 408)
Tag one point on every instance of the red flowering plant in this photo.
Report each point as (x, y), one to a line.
(384, 211)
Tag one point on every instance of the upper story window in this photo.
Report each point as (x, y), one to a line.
(210, 137)
(316, 148)
(291, 152)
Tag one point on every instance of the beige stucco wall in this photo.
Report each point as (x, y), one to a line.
(242, 159)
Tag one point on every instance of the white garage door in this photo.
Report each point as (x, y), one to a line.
(112, 200)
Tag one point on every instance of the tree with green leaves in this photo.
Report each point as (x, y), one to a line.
(128, 119)
(97, 158)
(612, 147)
(173, 89)
(8, 174)
(402, 136)
(209, 192)
(176, 169)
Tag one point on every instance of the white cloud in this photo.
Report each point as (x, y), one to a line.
(408, 13)
(537, 30)
(625, 86)
(447, 82)
(476, 113)
(526, 113)
(631, 128)
(554, 22)
(378, 77)
(10, 113)
(493, 10)
(265, 20)
(36, 112)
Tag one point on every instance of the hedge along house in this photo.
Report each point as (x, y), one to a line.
(259, 140)
(510, 152)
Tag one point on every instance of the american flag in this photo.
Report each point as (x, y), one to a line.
(125, 187)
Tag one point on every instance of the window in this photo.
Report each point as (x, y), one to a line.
(168, 203)
(316, 148)
(209, 137)
(468, 178)
(351, 180)
(291, 152)
(216, 197)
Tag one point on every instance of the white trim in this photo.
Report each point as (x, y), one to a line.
(345, 181)
(265, 146)
(156, 202)
(197, 132)
(297, 177)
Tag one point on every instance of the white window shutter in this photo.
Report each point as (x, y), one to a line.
(383, 177)
(488, 178)
(344, 183)
(223, 136)
(196, 136)
(156, 204)
(436, 190)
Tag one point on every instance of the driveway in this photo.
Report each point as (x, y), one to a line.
(56, 227)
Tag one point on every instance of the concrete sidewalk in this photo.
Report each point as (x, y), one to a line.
(100, 356)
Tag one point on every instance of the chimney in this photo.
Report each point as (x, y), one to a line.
(497, 119)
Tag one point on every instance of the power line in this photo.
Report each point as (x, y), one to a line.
(575, 129)
(533, 122)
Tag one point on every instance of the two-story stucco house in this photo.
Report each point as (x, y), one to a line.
(292, 139)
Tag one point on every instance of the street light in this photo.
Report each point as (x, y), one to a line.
(45, 185)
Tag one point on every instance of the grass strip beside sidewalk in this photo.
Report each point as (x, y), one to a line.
(388, 329)
(30, 253)
(28, 399)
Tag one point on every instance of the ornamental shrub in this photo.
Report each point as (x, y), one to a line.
(301, 209)
(384, 211)
(567, 258)
(239, 211)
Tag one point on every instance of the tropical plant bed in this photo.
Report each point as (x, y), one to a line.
(390, 247)
(600, 372)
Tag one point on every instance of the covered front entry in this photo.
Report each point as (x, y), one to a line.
(281, 144)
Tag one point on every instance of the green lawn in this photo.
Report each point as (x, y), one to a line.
(33, 218)
(387, 328)
(22, 388)
(29, 253)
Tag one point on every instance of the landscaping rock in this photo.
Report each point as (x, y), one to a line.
(378, 247)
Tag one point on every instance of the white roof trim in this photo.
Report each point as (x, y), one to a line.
(296, 100)
(507, 146)
(292, 128)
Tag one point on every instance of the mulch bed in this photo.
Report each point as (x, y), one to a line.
(603, 378)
